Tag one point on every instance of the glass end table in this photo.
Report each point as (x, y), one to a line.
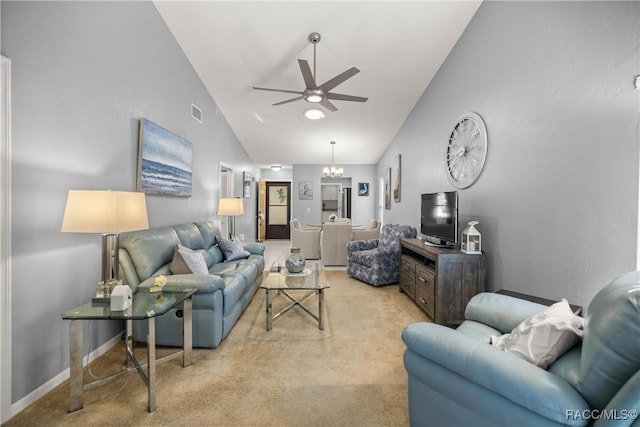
(145, 306)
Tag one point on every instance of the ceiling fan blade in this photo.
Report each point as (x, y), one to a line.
(328, 105)
(341, 97)
(340, 78)
(279, 90)
(309, 81)
(297, 98)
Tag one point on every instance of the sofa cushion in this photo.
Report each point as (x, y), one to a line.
(246, 269)
(235, 286)
(232, 250)
(610, 346)
(502, 312)
(149, 249)
(545, 336)
(477, 331)
(187, 261)
(209, 231)
(189, 236)
(363, 257)
(213, 255)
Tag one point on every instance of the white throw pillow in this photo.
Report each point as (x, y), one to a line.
(545, 336)
(187, 261)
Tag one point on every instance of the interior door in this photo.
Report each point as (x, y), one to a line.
(262, 211)
(278, 210)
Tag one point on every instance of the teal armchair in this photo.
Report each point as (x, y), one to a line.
(456, 378)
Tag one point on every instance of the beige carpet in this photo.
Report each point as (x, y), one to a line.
(350, 374)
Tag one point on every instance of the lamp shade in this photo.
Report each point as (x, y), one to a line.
(104, 212)
(231, 207)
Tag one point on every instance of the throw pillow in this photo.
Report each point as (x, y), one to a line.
(187, 261)
(545, 336)
(232, 249)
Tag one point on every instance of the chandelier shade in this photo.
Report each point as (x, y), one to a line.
(332, 171)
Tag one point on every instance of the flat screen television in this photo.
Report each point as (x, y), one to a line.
(439, 218)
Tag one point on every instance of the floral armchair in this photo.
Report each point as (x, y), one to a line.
(377, 261)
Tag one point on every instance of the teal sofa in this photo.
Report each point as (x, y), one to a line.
(222, 295)
(456, 378)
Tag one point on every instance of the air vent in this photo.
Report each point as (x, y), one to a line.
(196, 113)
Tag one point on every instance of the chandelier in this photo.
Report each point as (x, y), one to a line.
(332, 171)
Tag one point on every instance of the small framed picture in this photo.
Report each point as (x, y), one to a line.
(363, 189)
(305, 190)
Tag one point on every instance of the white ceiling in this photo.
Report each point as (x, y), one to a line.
(397, 46)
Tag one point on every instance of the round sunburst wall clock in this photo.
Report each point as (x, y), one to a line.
(466, 150)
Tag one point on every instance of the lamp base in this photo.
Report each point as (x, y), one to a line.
(103, 291)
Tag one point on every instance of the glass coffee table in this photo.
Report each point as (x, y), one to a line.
(280, 280)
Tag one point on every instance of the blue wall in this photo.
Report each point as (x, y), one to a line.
(83, 74)
(557, 199)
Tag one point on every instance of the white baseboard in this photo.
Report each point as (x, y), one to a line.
(54, 382)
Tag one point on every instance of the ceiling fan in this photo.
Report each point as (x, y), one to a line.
(318, 94)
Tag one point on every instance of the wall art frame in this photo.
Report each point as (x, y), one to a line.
(387, 189)
(363, 189)
(305, 190)
(396, 177)
(164, 162)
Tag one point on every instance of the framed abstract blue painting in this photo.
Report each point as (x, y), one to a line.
(164, 162)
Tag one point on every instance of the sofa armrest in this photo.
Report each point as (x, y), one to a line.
(255, 248)
(503, 373)
(361, 245)
(204, 283)
(499, 311)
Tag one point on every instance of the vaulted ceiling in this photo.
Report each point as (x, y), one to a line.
(397, 46)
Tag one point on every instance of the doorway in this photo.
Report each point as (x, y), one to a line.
(278, 210)
(331, 200)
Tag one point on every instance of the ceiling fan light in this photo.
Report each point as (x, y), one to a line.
(314, 114)
(314, 98)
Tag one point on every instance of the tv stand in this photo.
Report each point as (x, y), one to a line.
(441, 281)
(437, 245)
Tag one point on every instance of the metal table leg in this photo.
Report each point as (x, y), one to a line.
(299, 303)
(269, 311)
(151, 360)
(128, 342)
(76, 382)
(187, 331)
(320, 309)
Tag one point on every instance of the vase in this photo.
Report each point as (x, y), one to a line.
(295, 261)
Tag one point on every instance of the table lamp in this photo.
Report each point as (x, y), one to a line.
(107, 213)
(231, 207)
